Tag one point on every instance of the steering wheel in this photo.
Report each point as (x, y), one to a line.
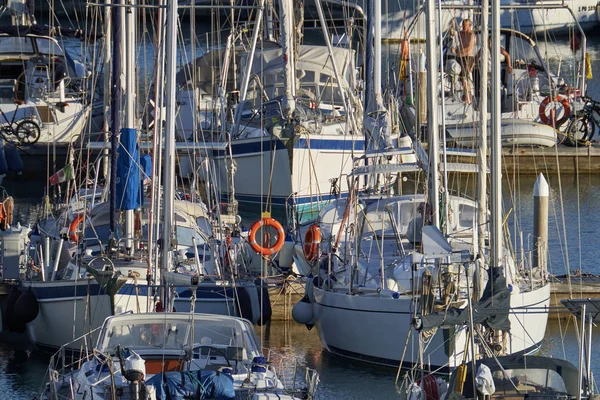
(211, 347)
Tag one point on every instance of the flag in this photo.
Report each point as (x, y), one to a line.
(65, 174)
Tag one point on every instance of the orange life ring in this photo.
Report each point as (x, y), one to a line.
(312, 239)
(265, 251)
(6, 213)
(73, 237)
(557, 99)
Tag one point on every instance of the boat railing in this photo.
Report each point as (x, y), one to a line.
(300, 382)
(67, 360)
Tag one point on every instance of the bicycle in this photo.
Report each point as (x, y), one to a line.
(27, 131)
(582, 125)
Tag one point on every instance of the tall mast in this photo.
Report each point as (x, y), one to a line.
(482, 210)
(130, 100)
(116, 92)
(286, 9)
(107, 82)
(432, 115)
(169, 179)
(377, 48)
(496, 198)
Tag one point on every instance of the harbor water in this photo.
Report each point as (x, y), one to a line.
(574, 226)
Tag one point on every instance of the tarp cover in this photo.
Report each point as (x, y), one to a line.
(266, 62)
(492, 310)
(193, 385)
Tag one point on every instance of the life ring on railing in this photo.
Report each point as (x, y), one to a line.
(73, 227)
(312, 239)
(555, 99)
(266, 251)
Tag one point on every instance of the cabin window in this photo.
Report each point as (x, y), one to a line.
(16, 45)
(185, 235)
(467, 215)
(49, 47)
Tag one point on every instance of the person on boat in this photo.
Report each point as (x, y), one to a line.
(466, 56)
(479, 63)
(450, 42)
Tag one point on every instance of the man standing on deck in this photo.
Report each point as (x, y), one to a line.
(466, 56)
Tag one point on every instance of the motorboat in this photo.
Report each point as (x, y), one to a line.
(173, 356)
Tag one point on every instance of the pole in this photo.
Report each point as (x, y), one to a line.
(496, 198)
(116, 92)
(168, 196)
(130, 53)
(541, 192)
(432, 115)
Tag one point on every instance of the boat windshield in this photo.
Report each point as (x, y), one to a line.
(157, 333)
(11, 45)
(167, 333)
(530, 380)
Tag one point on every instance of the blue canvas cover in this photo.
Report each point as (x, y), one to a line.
(198, 385)
(128, 171)
(146, 166)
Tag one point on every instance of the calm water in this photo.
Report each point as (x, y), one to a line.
(22, 370)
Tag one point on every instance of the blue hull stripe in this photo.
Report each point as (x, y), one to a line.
(265, 145)
(281, 201)
(66, 291)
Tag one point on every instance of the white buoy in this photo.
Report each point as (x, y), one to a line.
(541, 194)
(303, 312)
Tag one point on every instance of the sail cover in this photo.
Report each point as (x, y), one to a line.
(492, 310)
(128, 171)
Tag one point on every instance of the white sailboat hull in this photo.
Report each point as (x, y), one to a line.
(269, 167)
(374, 328)
(65, 315)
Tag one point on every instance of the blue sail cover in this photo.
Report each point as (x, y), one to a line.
(128, 171)
(198, 385)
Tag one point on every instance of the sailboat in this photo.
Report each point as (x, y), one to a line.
(44, 91)
(535, 103)
(414, 260)
(174, 356)
(114, 270)
(293, 121)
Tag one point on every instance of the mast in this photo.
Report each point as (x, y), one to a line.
(432, 115)
(130, 102)
(169, 180)
(107, 81)
(377, 48)
(287, 49)
(482, 207)
(116, 90)
(496, 173)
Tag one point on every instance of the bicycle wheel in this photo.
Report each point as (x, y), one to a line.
(579, 131)
(28, 132)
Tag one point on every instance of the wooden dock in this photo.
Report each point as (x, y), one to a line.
(582, 287)
(559, 159)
